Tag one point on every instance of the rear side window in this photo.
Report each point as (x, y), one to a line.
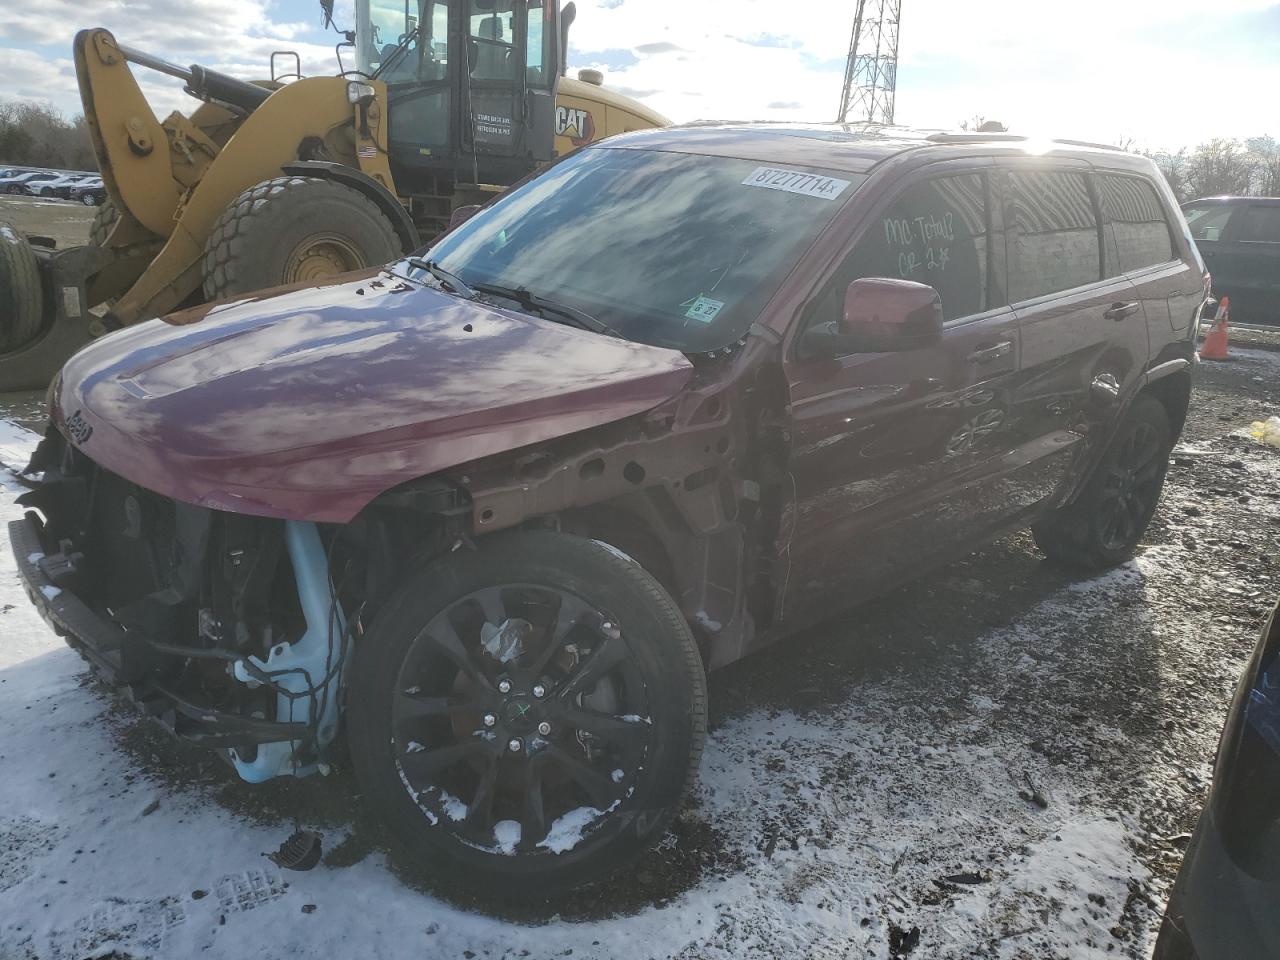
(1055, 239)
(934, 233)
(1261, 225)
(1138, 224)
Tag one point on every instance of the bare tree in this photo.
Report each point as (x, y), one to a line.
(32, 134)
(1174, 168)
(1220, 166)
(1266, 169)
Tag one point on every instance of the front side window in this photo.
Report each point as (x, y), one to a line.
(1055, 233)
(1208, 221)
(1138, 224)
(671, 249)
(934, 233)
(1261, 225)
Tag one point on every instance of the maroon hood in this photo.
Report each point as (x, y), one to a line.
(307, 404)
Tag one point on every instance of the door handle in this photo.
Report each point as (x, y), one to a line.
(1118, 311)
(995, 352)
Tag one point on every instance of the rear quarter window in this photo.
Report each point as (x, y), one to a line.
(1137, 222)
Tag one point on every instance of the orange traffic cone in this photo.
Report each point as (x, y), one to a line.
(1215, 341)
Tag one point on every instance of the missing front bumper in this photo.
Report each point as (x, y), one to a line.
(100, 642)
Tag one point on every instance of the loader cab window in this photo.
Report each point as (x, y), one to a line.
(540, 26)
(423, 28)
(492, 44)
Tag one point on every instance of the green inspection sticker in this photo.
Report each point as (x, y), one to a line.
(703, 309)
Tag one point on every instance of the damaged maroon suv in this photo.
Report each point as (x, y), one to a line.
(482, 519)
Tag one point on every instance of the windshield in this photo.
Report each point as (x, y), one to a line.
(668, 249)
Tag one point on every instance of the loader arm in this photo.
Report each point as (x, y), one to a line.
(171, 180)
(130, 142)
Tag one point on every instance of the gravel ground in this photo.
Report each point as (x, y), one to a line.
(1000, 760)
(64, 221)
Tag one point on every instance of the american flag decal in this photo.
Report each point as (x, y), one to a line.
(366, 152)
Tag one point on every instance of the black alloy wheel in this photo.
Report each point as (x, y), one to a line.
(1131, 486)
(537, 728)
(1103, 525)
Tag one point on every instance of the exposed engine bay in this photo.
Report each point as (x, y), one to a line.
(231, 630)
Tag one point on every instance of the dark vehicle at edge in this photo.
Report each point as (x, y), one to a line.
(1225, 904)
(90, 192)
(1239, 238)
(498, 506)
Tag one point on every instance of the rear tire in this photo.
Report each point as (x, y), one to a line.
(294, 230)
(602, 648)
(1102, 527)
(21, 297)
(88, 199)
(104, 221)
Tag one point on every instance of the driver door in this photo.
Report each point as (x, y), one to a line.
(896, 459)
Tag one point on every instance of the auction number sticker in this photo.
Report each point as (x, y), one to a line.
(793, 181)
(703, 309)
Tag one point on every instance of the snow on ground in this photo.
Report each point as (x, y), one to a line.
(987, 799)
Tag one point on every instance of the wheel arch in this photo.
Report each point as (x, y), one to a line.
(1170, 383)
(364, 184)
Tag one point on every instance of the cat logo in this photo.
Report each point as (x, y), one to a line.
(575, 124)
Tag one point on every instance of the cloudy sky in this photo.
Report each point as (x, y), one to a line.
(1165, 73)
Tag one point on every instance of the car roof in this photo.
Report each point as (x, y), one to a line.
(854, 147)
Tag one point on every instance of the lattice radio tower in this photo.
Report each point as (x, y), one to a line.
(871, 73)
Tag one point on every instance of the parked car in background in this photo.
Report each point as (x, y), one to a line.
(1239, 238)
(59, 187)
(1225, 904)
(684, 393)
(90, 192)
(17, 183)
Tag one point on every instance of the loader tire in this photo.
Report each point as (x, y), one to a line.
(104, 221)
(21, 299)
(294, 230)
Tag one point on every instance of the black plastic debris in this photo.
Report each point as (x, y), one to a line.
(902, 942)
(300, 852)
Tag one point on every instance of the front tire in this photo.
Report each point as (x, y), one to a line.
(527, 716)
(294, 230)
(1102, 527)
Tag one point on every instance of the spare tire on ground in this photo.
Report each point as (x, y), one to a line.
(21, 299)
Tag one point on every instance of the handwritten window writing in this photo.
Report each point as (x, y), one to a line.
(1055, 243)
(934, 233)
(1139, 234)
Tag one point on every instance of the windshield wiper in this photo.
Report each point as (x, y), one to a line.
(451, 281)
(531, 301)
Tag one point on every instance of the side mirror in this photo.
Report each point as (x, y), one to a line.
(880, 316)
(461, 215)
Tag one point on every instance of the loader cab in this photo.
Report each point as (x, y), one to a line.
(470, 84)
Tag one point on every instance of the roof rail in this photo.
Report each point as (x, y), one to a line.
(964, 137)
(1088, 143)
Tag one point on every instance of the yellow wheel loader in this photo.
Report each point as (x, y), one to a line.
(294, 179)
